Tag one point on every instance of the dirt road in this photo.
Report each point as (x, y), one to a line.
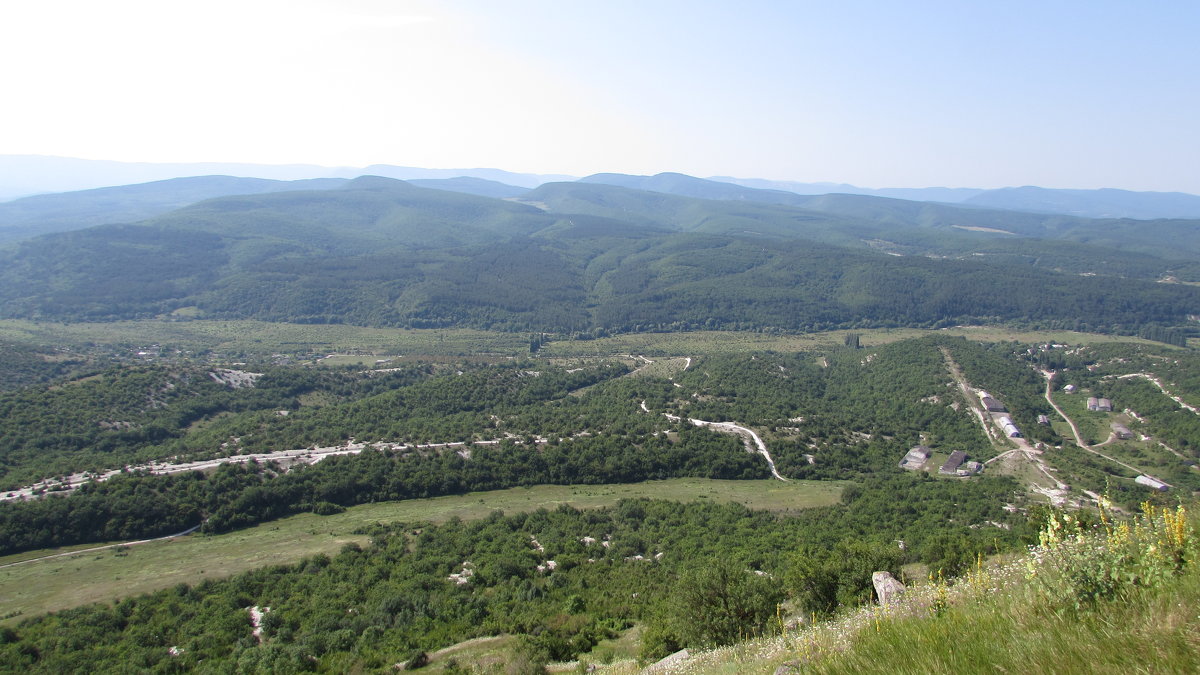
(1079, 438)
(752, 440)
(101, 548)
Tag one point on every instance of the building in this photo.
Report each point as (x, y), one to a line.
(1070, 389)
(1099, 404)
(970, 469)
(991, 404)
(1010, 429)
(1042, 419)
(950, 468)
(1122, 432)
(1152, 483)
(915, 458)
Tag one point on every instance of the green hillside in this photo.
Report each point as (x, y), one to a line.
(471, 186)
(1094, 596)
(583, 258)
(1147, 250)
(41, 214)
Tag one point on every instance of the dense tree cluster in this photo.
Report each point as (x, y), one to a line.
(236, 496)
(127, 414)
(721, 572)
(23, 365)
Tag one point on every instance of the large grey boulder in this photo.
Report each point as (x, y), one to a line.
(887, 588)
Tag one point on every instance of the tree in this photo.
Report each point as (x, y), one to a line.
(822, 580)
(724, 602)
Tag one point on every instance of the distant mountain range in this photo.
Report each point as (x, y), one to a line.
(25, 175)
(590, 257)
(41, 214)
(930, 194)
(59, 212)
(1105, 203)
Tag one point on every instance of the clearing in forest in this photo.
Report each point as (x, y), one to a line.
(69, 581)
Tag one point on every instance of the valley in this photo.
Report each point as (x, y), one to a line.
(745, 339)
(336, 427)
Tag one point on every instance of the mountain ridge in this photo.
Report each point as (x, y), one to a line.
(26, 175)
(584, 257)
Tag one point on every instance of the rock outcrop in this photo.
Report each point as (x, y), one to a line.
(887, 588)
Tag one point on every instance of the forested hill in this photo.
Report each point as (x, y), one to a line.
(960, 227)
(1094, 203)
(575, 257)
(42, 214)
(471, 186)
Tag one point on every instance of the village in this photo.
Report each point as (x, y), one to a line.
(1011, 443)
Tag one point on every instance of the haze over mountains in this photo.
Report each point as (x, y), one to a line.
(25, 175)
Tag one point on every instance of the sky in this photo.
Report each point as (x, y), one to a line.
(1056, 93)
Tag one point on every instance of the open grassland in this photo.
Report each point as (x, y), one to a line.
(701, 342)
(67, 581)
(261, 337)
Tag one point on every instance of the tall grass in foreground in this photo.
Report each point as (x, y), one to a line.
(1123, 597)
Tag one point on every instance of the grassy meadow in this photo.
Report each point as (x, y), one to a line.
(264, 338)
(91, 576)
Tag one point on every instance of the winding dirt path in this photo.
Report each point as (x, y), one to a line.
(968, 393)
(1158, 383)
(101, 548)
(297, 456)
(1049, 375)
(1079, 437)
(752, 440)
(745, 433)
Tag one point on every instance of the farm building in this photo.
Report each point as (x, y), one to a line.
(1010, 429)
(915, 458)
(950, 468)
(1099, 404)
(1122, 432)
(991, 404)
(1152, 483)
(970, 469)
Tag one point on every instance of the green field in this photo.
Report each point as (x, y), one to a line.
(68, 581)
(262, 338)
(702, 342)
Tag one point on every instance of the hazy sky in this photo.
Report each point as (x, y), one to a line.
(879, 94)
